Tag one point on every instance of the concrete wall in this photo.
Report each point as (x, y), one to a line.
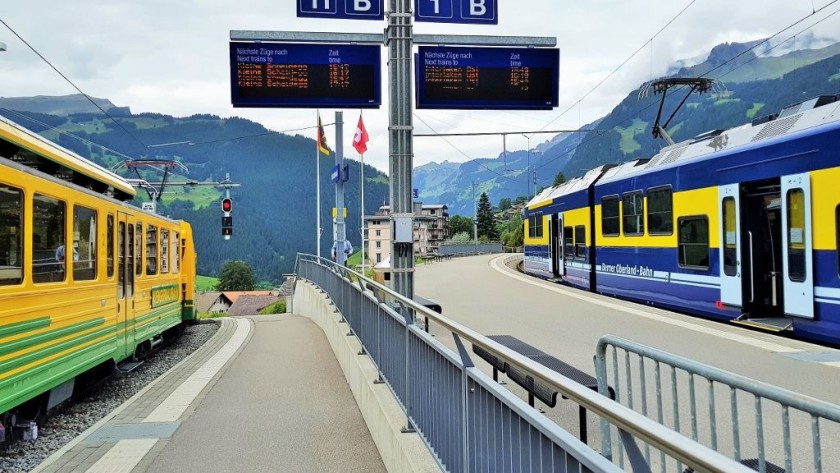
(400, 452)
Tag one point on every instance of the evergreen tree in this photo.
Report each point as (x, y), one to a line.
(486, 224)
(236, 276)
(559, 179)
(505, 203)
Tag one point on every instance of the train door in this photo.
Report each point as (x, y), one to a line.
(557, 262)
(731, 288)
(125, 282)
(797, 262)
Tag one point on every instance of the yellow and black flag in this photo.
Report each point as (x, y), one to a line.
(322, 138)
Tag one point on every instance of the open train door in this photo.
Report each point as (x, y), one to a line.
(797, 261)
(558, 266)
(731, 289)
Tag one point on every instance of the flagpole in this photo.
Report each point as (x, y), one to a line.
(318, 188)
(362, 213)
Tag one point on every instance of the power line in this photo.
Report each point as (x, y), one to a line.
(71, 82)
(614, 71)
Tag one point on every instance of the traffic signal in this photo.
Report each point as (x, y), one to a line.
(227, 220)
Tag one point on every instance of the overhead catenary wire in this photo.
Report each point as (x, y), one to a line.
(67, 79)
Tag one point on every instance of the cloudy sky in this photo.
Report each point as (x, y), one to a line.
(171, 56)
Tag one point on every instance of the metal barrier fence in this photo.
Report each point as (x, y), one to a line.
(758, 423)
(470, 422)
(459, 249)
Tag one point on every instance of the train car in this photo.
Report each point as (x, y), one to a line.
(738, 225)
(86, 280)
(558, 232)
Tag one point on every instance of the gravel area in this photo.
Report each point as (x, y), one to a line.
(61, 428)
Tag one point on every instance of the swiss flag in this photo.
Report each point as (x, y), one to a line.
(361, 138)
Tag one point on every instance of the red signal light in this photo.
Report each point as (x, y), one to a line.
(227, 204)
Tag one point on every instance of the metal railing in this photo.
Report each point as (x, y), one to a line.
(468, 421)
(757, 424)
(458, 249)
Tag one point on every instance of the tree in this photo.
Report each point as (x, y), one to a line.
(486, 223)
(505, 203)
(236, 276)
(461, 237)
(460, 224)
(559, 179)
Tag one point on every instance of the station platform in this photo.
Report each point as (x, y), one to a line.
(265, 393)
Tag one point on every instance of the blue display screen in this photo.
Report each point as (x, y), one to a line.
(305, 75)
(487, 78)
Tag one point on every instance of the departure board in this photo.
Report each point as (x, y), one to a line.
(305, 75)
(487, 78)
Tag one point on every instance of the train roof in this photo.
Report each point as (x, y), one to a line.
(66, 164)
(571, 186)
(816, 112)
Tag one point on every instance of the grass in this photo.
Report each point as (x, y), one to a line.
(205, 283)
(751, 113)
(200, 196)
(278, 307)
(628, 135)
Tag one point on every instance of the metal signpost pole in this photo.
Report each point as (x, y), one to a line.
(399, 41)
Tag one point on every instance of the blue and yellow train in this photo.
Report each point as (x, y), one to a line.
(739, 225)
(86, 280)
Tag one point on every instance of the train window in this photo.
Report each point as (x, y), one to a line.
(568, 243)
(121, 261)
(660, 211)
(535, 227)
(837, 230)
(580, 241)
(48, 232)
(694, 242)
(796, 234)
(730, 237)
(151, 250)
(84, 243)
(164, 251)
(176, 260)
(110, 246)
(610, 225)
(138, 250)
(633, 207)
(11, 235)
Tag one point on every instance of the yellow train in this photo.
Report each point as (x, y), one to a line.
(86, 280)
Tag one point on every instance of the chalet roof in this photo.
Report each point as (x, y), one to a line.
(234, 295)
(251, 305)
(204, 301)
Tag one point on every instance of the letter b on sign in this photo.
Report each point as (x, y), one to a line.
(457, 11)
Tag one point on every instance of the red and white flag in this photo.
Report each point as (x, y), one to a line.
(361, 138)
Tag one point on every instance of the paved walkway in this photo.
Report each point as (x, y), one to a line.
(264, 394)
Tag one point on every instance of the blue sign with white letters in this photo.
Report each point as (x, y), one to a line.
(341, 9)
(457, 11)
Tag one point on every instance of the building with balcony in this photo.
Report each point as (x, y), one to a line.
(431, 229)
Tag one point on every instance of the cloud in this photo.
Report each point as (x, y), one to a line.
(171, 57)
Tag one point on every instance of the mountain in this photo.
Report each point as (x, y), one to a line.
(62, 106)
(274, 207)
(751, 83)
(748, 87)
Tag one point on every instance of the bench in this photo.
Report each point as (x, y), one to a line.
(535, 386)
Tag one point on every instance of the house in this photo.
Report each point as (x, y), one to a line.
(222, 301)
(431, 229)
(246, 304)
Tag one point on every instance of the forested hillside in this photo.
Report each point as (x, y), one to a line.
(275, 207)
(625, 133)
